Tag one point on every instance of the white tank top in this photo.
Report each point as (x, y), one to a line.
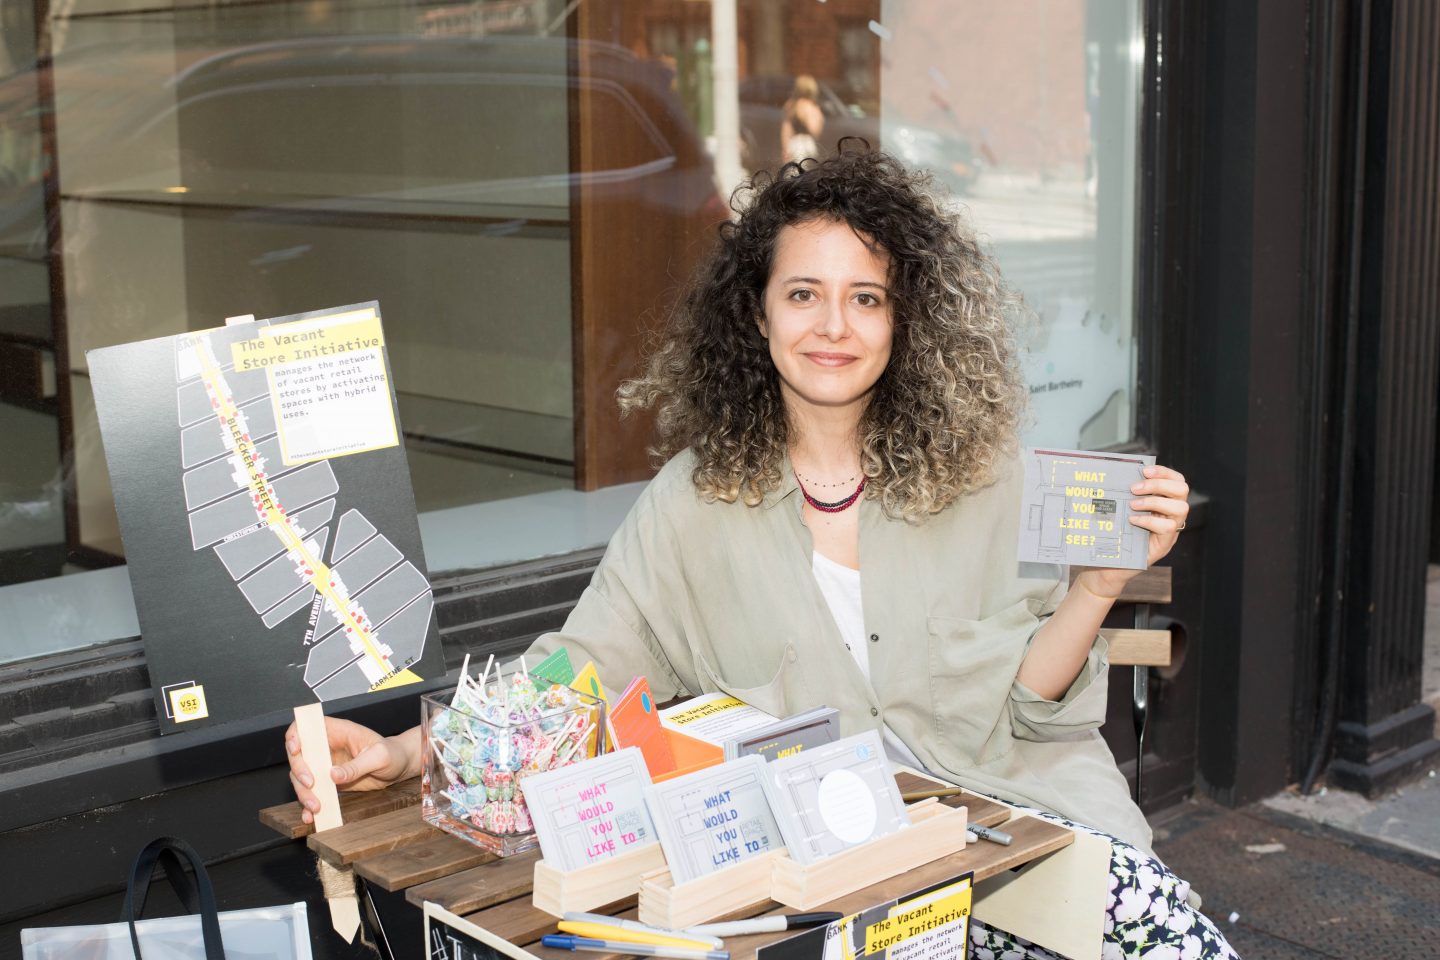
(841, 588)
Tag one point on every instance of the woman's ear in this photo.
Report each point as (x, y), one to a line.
(760, 325)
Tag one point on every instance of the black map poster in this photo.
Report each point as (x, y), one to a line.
(268, 519)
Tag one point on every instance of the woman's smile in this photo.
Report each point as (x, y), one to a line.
(832, 359)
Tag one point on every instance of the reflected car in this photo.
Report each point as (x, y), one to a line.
(391, 124)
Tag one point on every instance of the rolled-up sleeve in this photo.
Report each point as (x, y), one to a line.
(1082, 708)
(626, 615)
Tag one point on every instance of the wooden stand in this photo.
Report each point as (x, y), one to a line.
(560, 891)
(663, 904)
(935, 831)
(315, 749)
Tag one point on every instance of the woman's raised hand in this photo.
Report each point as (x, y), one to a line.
(1160, 506)
(361, 758)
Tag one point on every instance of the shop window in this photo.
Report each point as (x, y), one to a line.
(521, 184)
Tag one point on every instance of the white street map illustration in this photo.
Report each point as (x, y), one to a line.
(369, 607)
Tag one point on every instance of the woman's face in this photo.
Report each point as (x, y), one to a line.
(827, 317)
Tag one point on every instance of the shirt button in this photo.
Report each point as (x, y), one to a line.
(792, 657)
(874, 712)
(874, 638)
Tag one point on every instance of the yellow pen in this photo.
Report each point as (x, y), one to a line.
(605, 931)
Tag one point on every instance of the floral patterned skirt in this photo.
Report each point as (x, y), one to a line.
(1149, 915)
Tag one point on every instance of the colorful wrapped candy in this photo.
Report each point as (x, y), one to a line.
(485, 738)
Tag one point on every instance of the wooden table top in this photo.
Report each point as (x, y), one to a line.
(387, 843)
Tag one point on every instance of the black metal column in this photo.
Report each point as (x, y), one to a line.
(1384, 731)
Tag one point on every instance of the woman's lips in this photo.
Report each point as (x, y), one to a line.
(831, 359)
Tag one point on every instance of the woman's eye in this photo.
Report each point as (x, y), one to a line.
(802, 295)
(868, 300)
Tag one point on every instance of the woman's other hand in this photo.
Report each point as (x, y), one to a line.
(1160, 506)
(362, 760)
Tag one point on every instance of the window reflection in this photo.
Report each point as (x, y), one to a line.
(521, 184)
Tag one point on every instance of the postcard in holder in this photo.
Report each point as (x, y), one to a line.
(790, 736)
(555, 668)
(592, 810)
(588, 681)
(835, 796)
(636, 723)
(714, 818)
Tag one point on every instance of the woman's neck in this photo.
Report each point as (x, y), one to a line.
(825, 446)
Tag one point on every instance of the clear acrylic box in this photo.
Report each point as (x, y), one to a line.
(479, 745)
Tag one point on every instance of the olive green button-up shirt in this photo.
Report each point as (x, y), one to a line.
(702, 597)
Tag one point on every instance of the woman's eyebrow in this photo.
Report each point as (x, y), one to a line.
(815, 280)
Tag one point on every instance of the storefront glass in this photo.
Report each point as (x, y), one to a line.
(521, 184)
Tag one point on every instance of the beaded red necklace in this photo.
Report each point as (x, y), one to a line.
(838, 505)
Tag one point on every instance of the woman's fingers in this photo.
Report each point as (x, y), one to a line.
(308, 801)
(1162, 472)
(1161, 505)
(360, 759)
(299, 771)
(374, 759)
(1163, 494)
(1155, 523)
(1162, 481)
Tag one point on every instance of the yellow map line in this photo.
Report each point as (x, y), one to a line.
(278, 522)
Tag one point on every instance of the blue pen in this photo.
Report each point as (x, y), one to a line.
(565, 942)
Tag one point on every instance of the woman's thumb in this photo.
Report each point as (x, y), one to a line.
(372, 758)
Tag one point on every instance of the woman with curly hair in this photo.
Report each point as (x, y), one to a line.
(837, 399)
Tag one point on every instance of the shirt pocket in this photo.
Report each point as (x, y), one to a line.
(973, 664)
(772, 685)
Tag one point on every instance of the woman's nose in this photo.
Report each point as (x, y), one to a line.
(833, 324)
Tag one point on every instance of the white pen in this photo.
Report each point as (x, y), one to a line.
(639, 927)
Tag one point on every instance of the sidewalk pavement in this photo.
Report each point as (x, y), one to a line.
(1332, 875)
(1283, 886)
(1326, 875)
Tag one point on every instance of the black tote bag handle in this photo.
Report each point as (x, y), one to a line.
(198, 897)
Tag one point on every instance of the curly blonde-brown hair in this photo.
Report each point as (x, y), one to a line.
(947, 407)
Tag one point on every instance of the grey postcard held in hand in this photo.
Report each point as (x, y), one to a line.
(1075, 509)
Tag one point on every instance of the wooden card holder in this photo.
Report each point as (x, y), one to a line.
(935, 831)
(664, 904)
(561, 891)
